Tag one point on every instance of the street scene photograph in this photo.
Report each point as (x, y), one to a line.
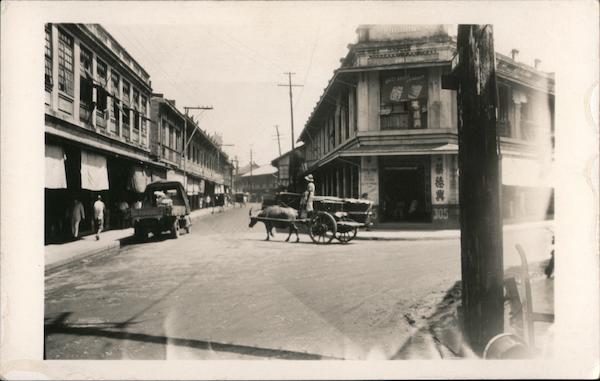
(397, 219)
(259, 183)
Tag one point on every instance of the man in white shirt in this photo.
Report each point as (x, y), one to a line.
(310, 193)
(99, 209)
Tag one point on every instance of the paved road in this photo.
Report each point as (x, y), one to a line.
(222, 292)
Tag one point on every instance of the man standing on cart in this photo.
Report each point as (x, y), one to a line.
(309, 195)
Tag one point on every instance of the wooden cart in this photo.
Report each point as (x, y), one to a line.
(334, 217)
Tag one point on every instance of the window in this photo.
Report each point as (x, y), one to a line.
(85, 60)
(114, 77)
(136, 98)
(102, 70)
(503, 120)
(144, 121)
(48, 57)
(126, 116)
(404, 100)
(65, 63)
(126, 91)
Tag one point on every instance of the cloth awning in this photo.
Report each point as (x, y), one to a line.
(175, 176)
(94, 173)
(140, 177)
(158, 175)
(55, 167)
(193, 186)
(527, 172)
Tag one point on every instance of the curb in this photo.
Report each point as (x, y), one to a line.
(110, 249)
(359, 238)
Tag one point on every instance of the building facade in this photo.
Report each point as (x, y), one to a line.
(97, 120)
(385, 129)
(288, 166)
(106, 134)
(259, 183)
(191, 155)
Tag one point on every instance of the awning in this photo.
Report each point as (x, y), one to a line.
(193, 186)
(401, 149)
(175, 176)
(139, 179)
(527, 172)
(158, 175)
(94, 173)
(55, 167)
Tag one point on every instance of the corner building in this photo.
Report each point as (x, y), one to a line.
(384, 127)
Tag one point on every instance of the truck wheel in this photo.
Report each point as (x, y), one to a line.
(140, 233)
(175, 230)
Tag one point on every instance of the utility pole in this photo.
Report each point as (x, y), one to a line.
(292, 167)
(479, 186)
(278, 140)
(187, 140)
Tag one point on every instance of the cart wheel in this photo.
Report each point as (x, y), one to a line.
(188, 229)
(346, 236)
(322, 228)
(175, 230)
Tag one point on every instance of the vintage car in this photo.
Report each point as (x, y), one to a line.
(165, 208)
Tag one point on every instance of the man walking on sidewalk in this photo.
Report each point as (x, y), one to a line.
(76, 215)
(99, 209)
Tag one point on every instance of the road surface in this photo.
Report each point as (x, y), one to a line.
(222, 292)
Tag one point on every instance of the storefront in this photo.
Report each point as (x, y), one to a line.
(77, 172)
(404, 191)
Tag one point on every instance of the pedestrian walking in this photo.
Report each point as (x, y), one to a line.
(76, 214)
(123, 207)
(309, 194)
(99, 209)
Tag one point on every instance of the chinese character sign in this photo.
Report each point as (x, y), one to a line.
(439, 180)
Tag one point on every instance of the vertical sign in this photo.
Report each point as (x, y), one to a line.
(439, 187)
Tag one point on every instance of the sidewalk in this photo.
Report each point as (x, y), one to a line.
(428, 234)
(60, 255)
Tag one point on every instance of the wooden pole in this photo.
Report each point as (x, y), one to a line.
(479, 186)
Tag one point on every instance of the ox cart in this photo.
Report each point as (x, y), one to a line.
(333, 217)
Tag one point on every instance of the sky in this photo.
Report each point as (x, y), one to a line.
(235, 63)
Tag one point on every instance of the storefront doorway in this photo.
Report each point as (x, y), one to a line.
(404, 195)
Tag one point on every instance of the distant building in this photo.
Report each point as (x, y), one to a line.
(97, 120)
(384, 127)
(259, 182)
(283, 165)
(203, 169)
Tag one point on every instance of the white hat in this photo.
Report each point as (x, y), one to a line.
(309, 178)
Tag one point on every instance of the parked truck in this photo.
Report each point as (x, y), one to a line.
(165, 208)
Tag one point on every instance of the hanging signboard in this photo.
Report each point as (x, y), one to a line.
(402, 88)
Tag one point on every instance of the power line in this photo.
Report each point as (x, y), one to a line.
(309, 65)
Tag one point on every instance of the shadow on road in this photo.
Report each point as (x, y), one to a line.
(60, 328)
(133, 240)
(438, 333)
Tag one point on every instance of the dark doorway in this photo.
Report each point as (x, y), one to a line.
(403, 193)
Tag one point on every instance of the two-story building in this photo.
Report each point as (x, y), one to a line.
(97, 120)
(259, 182)
(385, 129)
(202, 167)
(289, 165)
